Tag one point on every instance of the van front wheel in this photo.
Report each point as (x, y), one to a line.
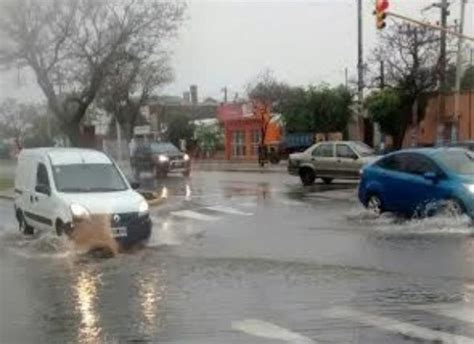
(24, 227)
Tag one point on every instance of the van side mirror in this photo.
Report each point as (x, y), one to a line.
(43, 189)
(135, 185)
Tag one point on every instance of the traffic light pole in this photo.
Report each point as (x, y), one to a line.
(442, 71)
(360, 69)
(432, 26)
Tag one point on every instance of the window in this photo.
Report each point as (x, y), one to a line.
(238, 144)
(417, 164)
(363, 149)
(42, 176)
(324, 150)
(88, 178)
(256, 136)
(409, 163)
(458, 161)
(344, 151)
(390, 163)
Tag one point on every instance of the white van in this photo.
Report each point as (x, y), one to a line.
(55, 187)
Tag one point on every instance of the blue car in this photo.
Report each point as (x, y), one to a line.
(420, 181)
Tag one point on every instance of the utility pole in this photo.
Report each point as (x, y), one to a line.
(442, 72)
(346, 78)
(225, 94)
(470, 101)
(382, 74)
(360, 69)
(457, 95)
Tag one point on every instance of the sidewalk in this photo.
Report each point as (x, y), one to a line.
(238, 166)
(7, 194)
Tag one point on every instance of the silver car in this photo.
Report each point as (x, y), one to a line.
(330, 160)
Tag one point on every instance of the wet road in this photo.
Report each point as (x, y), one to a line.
(247, 258)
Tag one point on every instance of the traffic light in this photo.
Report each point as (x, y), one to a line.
(381, 7)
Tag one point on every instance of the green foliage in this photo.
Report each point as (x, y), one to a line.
(467, 81)
(209, 138)
(180, 128)
(384, 107)
(316, 109)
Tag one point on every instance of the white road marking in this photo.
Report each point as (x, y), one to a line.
(456, 311)
(263, 329)
(194, 215)
(393, 325)
(228, 210)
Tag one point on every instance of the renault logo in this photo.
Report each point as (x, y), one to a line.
(116, 218)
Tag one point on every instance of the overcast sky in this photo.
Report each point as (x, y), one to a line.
(227, 43)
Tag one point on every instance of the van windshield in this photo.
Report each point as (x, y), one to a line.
(88, 178)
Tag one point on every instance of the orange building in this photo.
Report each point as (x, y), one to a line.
(427, 131)
(242, 124)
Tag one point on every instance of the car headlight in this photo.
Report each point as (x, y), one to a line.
(143, 208)
(470, 187)
(79, 211)
(186, 157)
(163, 158)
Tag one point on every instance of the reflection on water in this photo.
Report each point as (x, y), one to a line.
(188, 193)
(164, 192)
(152, 291)
(86, 298)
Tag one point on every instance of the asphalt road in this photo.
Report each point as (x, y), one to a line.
(247, 258)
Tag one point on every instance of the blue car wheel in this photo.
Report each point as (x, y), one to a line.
(374, 204)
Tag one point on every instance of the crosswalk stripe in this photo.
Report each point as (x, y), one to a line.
(194, 215)
(393, 325)
(228, 210)
(455, 311)
(263, 329)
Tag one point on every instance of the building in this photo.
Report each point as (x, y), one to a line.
(243, 129)
(425, 134)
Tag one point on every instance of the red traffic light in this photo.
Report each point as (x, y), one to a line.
(381, 5)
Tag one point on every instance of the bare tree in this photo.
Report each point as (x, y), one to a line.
(265, 94)
(411, 56)
(15, 119)
(135, 80)
(73, 45)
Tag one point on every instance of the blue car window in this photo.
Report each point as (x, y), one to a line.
(417, 164)
(391, 162)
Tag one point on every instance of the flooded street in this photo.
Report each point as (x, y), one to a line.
(247, 258)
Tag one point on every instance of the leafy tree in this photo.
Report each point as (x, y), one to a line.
(297, 116)
(180, 128)
(384, 107)
(330, 108)
(73, 46)
(467, 81)
(209, 138)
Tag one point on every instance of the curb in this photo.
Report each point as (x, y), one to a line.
(7, 197)
(256, 170)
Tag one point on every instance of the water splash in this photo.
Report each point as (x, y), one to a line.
(391, 223)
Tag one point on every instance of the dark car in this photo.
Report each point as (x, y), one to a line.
(420, 181)
(160, 158)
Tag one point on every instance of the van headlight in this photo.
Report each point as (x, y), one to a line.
(186, 157)
(143, 208)
(79, 212)
(163, 158)
(470, 187)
